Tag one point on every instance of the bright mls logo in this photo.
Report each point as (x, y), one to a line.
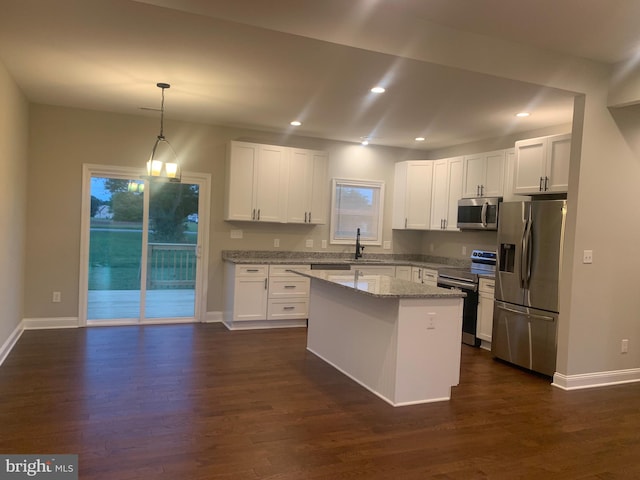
(50, 467)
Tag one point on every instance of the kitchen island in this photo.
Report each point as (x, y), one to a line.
(398, 339)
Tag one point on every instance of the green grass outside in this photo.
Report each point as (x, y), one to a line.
(114, 255)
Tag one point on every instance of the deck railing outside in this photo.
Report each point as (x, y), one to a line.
(171, 265)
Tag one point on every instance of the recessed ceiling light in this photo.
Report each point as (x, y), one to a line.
(365, 142)
(378, 89)
(296, 123)
(420, 139)
(522, 114)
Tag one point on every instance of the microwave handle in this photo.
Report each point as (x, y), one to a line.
(483, 216)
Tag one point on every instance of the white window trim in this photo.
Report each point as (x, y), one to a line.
(356, 183)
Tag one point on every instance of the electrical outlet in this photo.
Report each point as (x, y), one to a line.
(587, 256)
(56, 297)
(624, 345)
(464, 250)
(324, 244)
(236, 233)
(386, 244)
(276, 242)
(431, 247)
(431, 325)
(309, 243)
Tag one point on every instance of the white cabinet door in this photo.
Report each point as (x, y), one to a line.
(558, 157)
(493, 185)
(529, 170)
(542, 165)
(388, 270)
(319, 188)
(440, 195)
(270, 184)
(307, 187)
(239, 198)
(455, 193)
(483, 175)
(474, 175)
(250, 299)
(412, 195)
(300, 181)
(485, 309)
(447, 190)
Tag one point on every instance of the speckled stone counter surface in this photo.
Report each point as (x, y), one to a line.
(381, 286)
(306, 258)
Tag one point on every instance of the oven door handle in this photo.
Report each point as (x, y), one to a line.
(461, 285)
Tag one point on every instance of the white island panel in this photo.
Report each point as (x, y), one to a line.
(405, 350)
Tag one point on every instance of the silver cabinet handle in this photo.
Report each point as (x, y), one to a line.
(258, 215)
(253, 214)
(540, 189)
(265, 283)
(309, 217)
(546, 183)
(405, 222)
(305, 217)
(252, 270)
(288, 308)
(289, 286)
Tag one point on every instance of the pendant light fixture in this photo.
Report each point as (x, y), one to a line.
(163, 163)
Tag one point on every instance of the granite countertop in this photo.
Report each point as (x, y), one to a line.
(304, 258)
(381, 286)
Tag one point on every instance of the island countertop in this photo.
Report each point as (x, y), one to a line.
(381, 286)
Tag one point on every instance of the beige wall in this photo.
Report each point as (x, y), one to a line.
(62, 139)
(13, 194)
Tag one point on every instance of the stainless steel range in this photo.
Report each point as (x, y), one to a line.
(466, 279)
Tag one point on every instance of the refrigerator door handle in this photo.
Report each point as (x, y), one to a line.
(523, 249)
(528, 254)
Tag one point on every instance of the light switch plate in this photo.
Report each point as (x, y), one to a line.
(386, 244)
(309, 243)
(276, 242)
(324, 244)
(236, 233)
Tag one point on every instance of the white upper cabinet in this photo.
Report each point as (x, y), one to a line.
(447, 190)
(307, 187)
(412, 195)
(483, 175)
(542, 165)
(269, 183)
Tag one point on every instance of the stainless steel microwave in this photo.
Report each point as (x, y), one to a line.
(479, 213)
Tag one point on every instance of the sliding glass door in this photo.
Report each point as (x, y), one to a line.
(141, 247)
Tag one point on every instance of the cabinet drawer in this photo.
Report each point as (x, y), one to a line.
(280, 270)
(487, 285)
(251, 270)
(430, 276)
(289, 287)
(279, 309)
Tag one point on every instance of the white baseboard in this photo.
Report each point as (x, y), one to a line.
(263, 324)
(55, 322)
(597, 379)
(8, 345)
(213, 317)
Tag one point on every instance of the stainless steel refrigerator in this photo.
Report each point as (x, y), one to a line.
(525, 315)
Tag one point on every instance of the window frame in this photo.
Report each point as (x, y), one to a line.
(373, 184)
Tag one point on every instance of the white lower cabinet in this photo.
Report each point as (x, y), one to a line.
(288, 293)
(425, 275)
(485, 311)
(403, 272)
(263, 296)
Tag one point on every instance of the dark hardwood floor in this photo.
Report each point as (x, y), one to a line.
(200, 402)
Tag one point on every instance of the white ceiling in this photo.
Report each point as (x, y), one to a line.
(259, 64)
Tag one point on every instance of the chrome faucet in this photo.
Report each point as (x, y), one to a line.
(359, 248)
